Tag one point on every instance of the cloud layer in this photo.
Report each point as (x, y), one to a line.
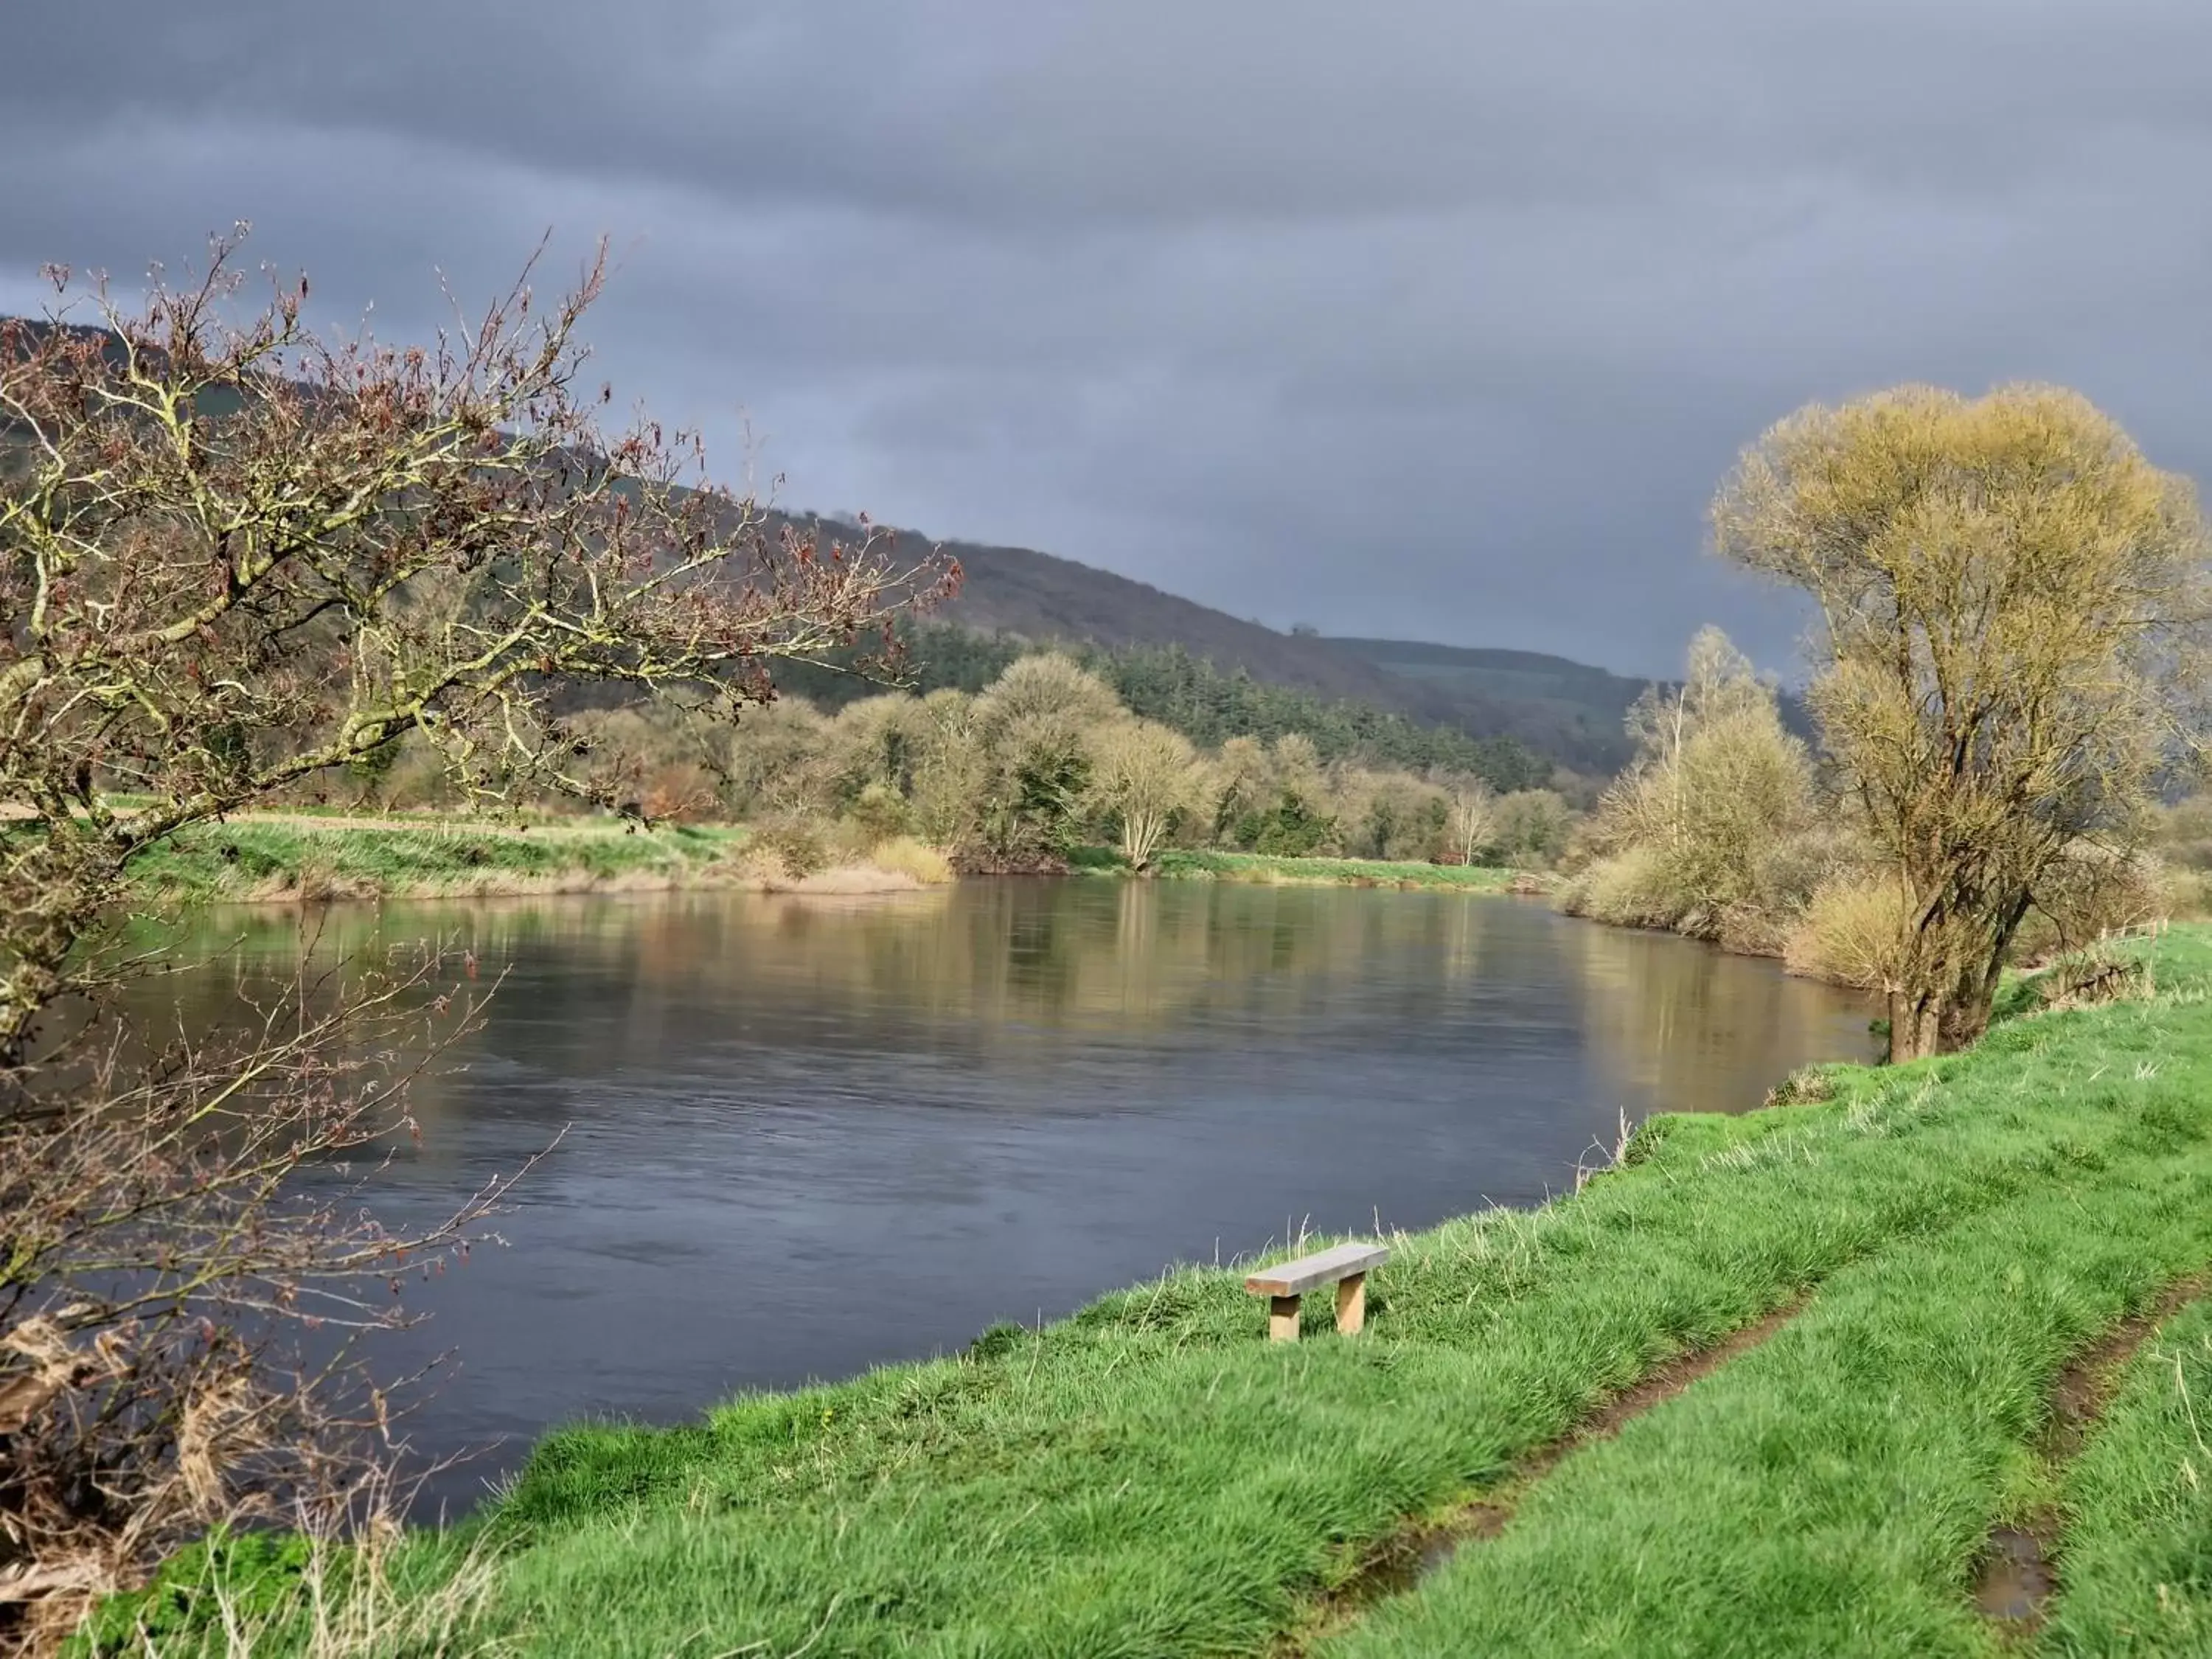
(1424, 318)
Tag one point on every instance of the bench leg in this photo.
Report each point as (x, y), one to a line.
(1282, 1319)
(1352, 1304)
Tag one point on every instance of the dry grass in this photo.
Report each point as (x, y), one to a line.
(316, 887)
(904, 855)
(1851, 932)
(360, 1614)
(901, 865)
(1630, 889)
(329, 1591)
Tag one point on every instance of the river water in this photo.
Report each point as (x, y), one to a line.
(800, 1136)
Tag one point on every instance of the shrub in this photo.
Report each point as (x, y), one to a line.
(797, 845)
(2091, 892)
(2188, 894)
(881, 811)
(904, 855)
(1630, 889)
(1850, 932)
(680, 793)
(1292, 829)
(2183, 833)
(1702, 834)
(1532, 827)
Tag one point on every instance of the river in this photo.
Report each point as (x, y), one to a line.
(800, 1136)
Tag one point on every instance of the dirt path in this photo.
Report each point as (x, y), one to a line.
(1400, 1562)
(2014, 1584)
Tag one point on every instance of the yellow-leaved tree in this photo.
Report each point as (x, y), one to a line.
(2012, 605)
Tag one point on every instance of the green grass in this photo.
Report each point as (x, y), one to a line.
(2136, 1559)
(267, 857)
(1181, 863)
(1153, 1477)
(297, 855)
(1831, 1492)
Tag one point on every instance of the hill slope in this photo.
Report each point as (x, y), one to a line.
(1553, 703)
(1567, 711)
(1040, 595)
(1563, 711)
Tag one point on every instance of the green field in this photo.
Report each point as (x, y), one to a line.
(1153, 1477)
(305, 856)
(326, 854)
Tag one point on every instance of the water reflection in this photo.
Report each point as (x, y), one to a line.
(806, 1134)
(1693, 1030)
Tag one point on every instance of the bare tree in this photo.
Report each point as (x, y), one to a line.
(234, 555)
(1474, 818)
(2013, 603)
(1144, 775)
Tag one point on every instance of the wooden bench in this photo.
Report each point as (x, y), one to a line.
(1344, 1266)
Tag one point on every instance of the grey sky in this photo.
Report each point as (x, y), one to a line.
(1438, 319)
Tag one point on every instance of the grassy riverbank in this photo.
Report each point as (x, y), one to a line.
(1152, 1476)
(312, 856)
(306, 857)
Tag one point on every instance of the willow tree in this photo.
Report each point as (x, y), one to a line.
(1039, 723)
(1143, 776)
(2012, 603)
(1691, 834)
(237, 556)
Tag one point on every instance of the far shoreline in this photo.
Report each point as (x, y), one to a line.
(309, 857)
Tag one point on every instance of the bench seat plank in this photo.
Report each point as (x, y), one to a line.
(1323, 1267)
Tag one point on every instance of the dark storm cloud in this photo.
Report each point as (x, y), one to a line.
(1433, 319)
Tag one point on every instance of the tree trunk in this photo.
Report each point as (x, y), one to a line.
(1913, 1026)
(1141, 835)
(1966, 1015)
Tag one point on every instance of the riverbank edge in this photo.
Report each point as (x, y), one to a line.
(1922, 1142)
(1275, 870)
(305, 857)
(311, 858)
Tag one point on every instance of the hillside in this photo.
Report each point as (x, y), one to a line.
(1038, 596)
(1567, 711)
(1551, 702)
(1564, 712)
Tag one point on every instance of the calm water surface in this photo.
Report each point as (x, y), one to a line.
(800, 1136)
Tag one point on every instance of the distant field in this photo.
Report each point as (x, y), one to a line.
(336, 856)
(331, 853)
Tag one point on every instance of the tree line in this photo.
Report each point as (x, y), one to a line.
(1175, 688)
(1046, 758)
